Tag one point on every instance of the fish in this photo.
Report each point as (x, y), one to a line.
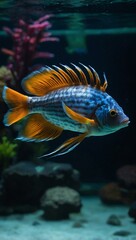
(64, 97)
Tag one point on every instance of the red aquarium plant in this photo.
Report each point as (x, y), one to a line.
(26, 39)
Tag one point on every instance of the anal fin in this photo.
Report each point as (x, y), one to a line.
(67, 146)
(39, 129)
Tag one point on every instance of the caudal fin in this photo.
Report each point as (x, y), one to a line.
(18, 106)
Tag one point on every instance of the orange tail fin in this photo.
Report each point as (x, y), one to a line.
(18, 106)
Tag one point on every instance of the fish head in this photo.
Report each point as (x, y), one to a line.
(111, 117)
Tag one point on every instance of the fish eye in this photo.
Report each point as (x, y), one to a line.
(113, 113)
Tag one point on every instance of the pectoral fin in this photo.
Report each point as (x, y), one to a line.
(67, 146)
(77, 117)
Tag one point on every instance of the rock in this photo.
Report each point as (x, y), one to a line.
(59, 174)
(122, 233)
(132, 211)
(128, 195)
(23, 184)
(1, 193)
(59, 202)
(7, 210)
(126, 176)
(114, 220)
(78, 224)
(25, 208)
(36, 223)
(111, 194)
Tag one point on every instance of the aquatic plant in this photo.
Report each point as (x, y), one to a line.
(7, 152)
(26, 39)
(5, 77)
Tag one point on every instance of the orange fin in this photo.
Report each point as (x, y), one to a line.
(18, 104)
(38, 129)
(77, 117)
(67, 146)
(48, 79)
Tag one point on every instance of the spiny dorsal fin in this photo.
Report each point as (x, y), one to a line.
(48, 79)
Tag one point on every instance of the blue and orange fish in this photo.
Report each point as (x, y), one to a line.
(65, 98)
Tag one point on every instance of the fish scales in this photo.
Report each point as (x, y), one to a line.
(64, 98)
(81, 99)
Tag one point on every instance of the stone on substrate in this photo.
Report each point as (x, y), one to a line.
(132, 211)
(24, 183)
(59, 202)
(111, 194)
(114, 220)
(126, 176)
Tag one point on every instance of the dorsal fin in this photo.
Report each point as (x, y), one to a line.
(48, 79)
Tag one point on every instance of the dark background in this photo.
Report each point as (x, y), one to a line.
(97, 158)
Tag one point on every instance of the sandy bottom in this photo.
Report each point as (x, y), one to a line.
(90, 224)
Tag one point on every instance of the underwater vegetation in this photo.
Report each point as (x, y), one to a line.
(6, 75)
(26, 39)
(7, 152)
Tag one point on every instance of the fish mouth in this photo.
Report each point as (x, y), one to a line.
(125, 122)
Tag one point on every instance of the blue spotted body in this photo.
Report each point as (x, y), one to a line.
(65, 99)
(81, 99)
